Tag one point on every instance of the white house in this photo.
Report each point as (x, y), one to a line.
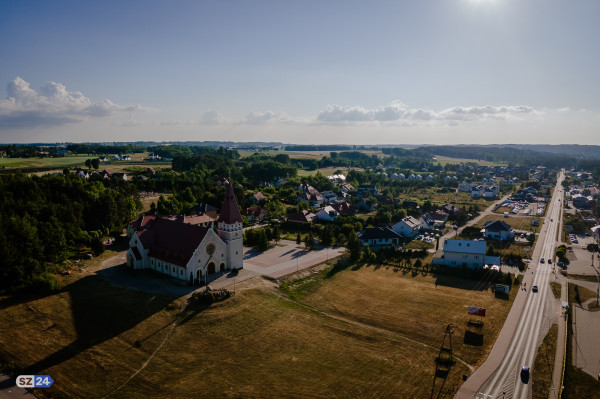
(465, 186)
(190, 252)
(498, 230)
(465, 253)
(327, 214)
(408, 227)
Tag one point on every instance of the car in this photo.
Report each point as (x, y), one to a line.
(534, 288)
(552, 220)
(549, 261)
(542, 260)
(525, 374)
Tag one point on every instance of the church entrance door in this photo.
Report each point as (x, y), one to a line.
(211, 268)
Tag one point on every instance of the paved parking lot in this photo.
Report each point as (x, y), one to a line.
(580, 258)
(286, 257)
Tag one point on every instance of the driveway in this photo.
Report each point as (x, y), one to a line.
(286, 257)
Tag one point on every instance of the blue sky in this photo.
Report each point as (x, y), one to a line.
(435, 72)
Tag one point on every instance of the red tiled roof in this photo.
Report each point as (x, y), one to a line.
(230, 212)
(172, 241)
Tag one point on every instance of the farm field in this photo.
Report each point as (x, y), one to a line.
(442, 160)
(306, 154)
(367, 332)
(59, 162)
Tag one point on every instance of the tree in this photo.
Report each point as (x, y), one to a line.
(298, 239)
(97, 246)
(95, 163)
(366, 253)
(276, 233)
(326, 236)
(353, 246)
(88, 163)
(263, 243)
(309, 241)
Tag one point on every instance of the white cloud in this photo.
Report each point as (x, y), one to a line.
(52, 105)
(398, 112)
(261, 118)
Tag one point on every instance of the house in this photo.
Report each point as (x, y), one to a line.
(347, 188)
(150, 171)
(344, 209)
(582, 202)
(257, 197)
(408, 227)
(465, 253)
(449, 209)
(122, 176)
(190, 252)
(255, 214)
(106, 174)
(337, 179)
(302, 217)
(439, 219)
(365, 205)
(313, 199)
(328, 214)
(379, 237)
(465, 186)
(498, 230)
(329, 196)
(367, 189)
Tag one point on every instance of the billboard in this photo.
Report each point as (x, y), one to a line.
(475, 311)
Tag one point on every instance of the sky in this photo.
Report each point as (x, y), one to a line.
(322, 72)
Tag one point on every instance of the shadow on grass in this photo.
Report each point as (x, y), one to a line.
(101, 312)
(473, 338)
(463, 283)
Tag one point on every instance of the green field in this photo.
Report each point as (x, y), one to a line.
(59, 162)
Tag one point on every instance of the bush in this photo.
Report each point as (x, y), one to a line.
(43, 284)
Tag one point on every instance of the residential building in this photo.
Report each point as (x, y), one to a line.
(498, 230)
(408, 227)
(379, 237)
(465, 253)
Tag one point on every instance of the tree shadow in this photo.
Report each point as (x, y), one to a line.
(463, 283)
(473, 338)
(101, 312)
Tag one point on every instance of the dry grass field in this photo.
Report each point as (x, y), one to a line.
(460, 199)
(442, 160)
(516, 222)
(362, 332)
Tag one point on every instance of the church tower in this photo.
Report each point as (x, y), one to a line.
(230, 229)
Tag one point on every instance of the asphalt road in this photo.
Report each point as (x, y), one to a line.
(525, 326)
(8, 389)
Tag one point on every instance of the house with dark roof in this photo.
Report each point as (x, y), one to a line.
(498, 230)
(187, 251)
(257, 197)
(302, 217)
(379, 237)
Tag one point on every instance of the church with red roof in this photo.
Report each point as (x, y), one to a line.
(187, 251)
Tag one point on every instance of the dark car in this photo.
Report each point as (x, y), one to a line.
(549, 261)
(534, 288)
(525, 374)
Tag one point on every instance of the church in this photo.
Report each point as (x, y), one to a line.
(190, 252)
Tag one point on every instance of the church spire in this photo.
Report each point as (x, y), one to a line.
(230, 213)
